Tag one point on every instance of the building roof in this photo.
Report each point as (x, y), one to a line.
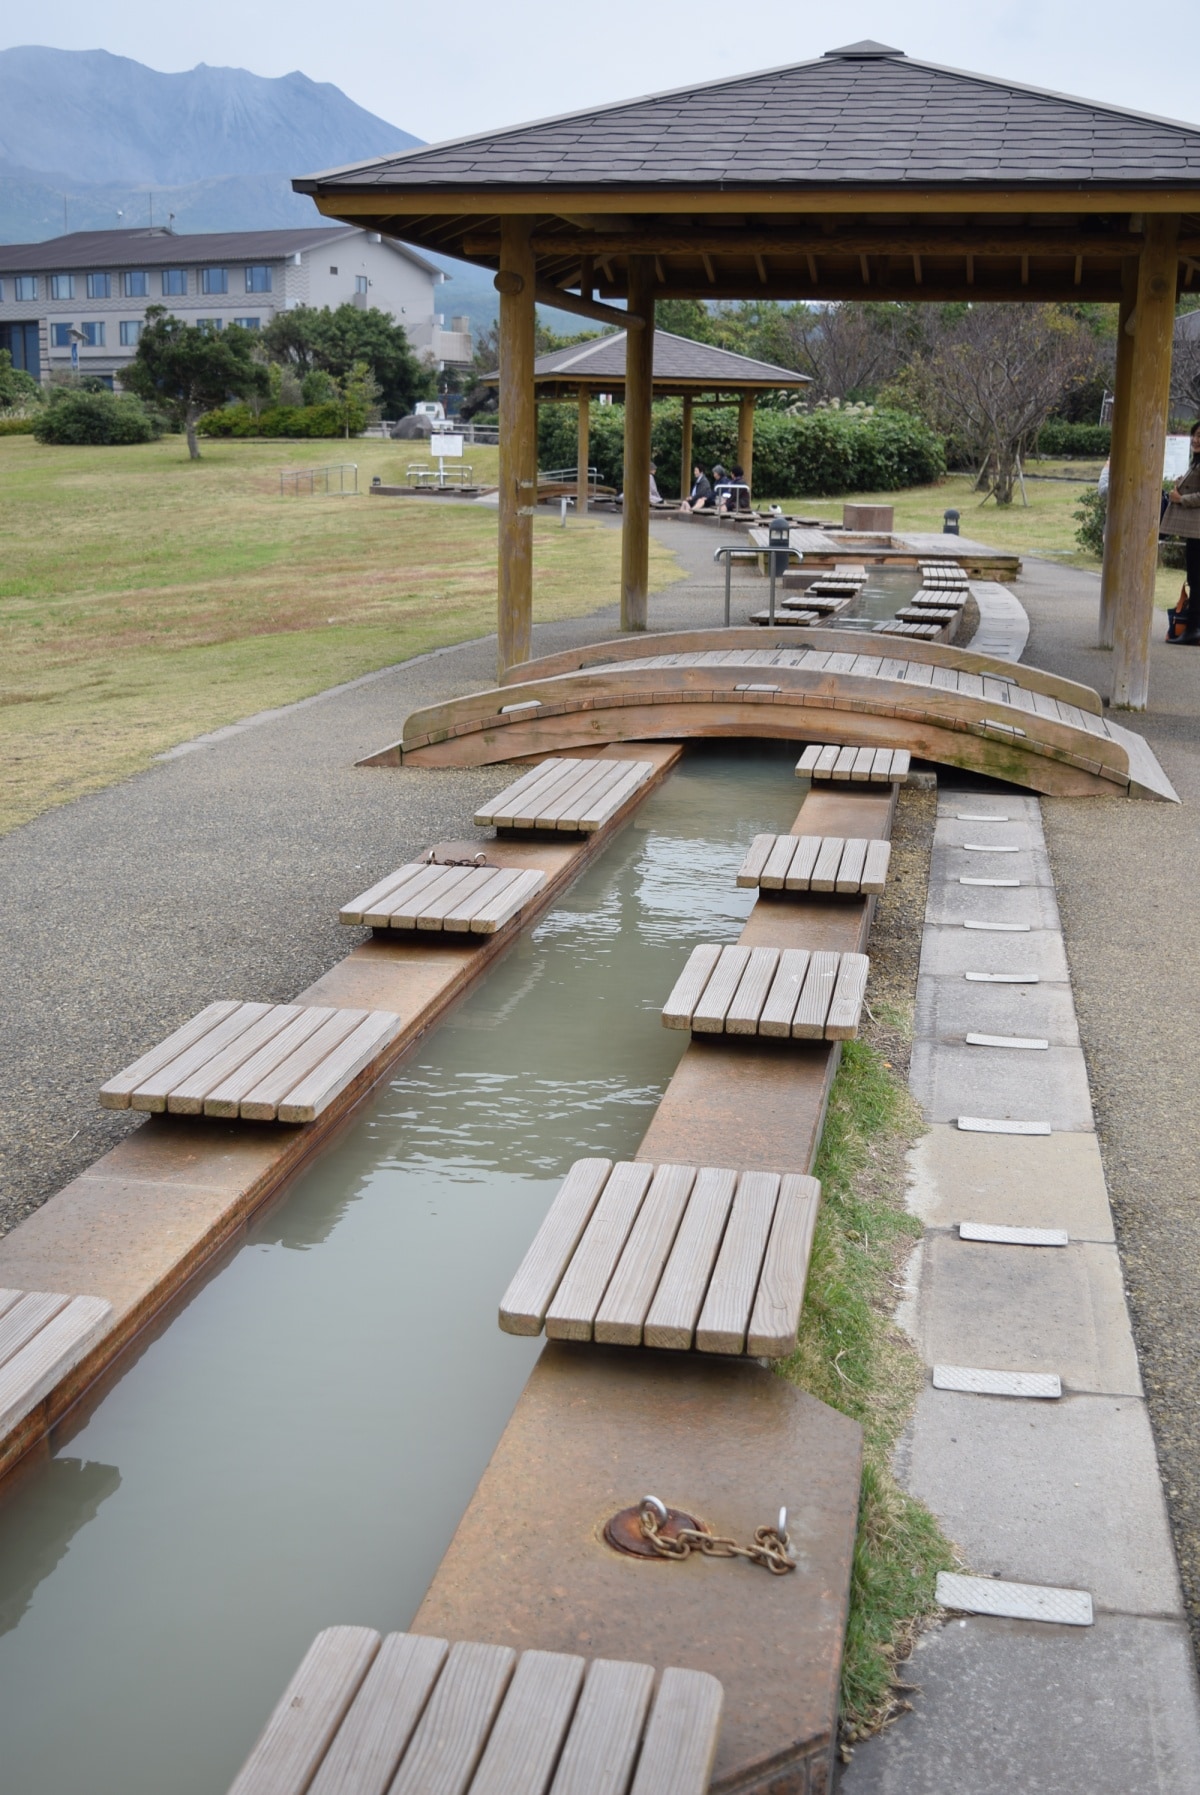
(680, 365)
(154, 245)
(864, 115)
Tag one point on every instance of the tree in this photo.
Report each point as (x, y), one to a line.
(186, 371)
(16, 387)
(312, 339)
(1185, 366)
(990, 376)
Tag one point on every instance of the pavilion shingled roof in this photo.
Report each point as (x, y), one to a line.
(863, 115)
(675, 359)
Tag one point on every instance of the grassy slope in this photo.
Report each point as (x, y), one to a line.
(145, 599)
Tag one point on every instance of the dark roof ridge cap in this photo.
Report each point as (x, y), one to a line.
(584, 350)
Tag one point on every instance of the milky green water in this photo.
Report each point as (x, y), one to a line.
(297, 1446)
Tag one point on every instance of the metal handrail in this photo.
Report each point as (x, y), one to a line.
(295, 476)
(727, 555)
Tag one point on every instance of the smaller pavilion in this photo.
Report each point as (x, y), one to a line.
(697, 373)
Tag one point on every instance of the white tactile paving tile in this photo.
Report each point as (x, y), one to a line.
(975, 1380)
(999, 1235)
(1014, 1601)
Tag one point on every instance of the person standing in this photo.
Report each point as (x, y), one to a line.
(1182, 518)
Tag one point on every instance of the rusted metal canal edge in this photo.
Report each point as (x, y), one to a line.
(724, 1440)
(154, 1213)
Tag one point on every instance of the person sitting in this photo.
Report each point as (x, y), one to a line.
(733, 494)
(656, 497)
(700, 498)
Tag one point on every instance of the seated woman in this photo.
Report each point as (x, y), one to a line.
(701, 496)
(733, 494)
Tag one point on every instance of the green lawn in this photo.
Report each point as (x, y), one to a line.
(145, 599)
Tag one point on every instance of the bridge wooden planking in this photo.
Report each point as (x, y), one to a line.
(670, 1256)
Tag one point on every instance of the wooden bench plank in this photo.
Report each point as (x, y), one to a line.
(756, 858)
(457, 914)
(601, 809)
(432, 915)
(152, 1092)
(44, 1361)
(497, 809)
(318, 1088)
(492, 915)
(262, 1100)
(115, 1094)
(689, 986)
(528, 794)
(373, 897)
(845, 1008)
(572, 1312)
(875, 867)
(799, 873)
(850, 868)
(708, 1017)
(26, 1317)
(375, 1734)
(681, 1738)
(635, 1279)
(225, 1099)
(843, 766)
(602, 1744)
(429, 877)
(9, 1298)
(829, 858)
(530, 1728)
(780, 1295)
(187, 1098)
(809, 758)
(863, 761)
(591, 777)
(784, 995)
(671, 1320)
(308, 1714)
(725, 1317)
(742, 1016)
(453, 1730)
(523, 1305)
(420, 900)
(808, 1021)
(779, 860)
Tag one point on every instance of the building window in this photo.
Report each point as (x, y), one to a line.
(137, 284)
(174, 281)
(60, 336)
(209, 324)
(93, 335)
(62, 286)
(258, 279)
(249, 323)
(214, 280)
(361, 283)
(131, 330)
(26, 286)
(332, 270)
(99, 286)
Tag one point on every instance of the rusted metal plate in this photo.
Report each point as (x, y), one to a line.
(596, 1427)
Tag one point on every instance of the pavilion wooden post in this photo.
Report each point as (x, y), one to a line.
(582, 453)
(518, 442)
(745, 437)
(1116, 530)
(639, 386)
(1141, 483)
(685, 449)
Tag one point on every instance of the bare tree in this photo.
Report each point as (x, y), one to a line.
(851, 349)
(991, 376)
(1185, 366)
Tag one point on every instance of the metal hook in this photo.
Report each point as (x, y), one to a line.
(781, 1529)
(657, 1509)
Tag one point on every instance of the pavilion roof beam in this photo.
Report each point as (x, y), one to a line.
(964, 241)
(1061, 289)
(895, 201)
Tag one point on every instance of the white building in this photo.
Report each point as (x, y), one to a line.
(80, 300)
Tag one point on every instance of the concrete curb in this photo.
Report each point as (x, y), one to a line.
(1064, 1493)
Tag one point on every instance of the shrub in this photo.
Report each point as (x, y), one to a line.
(329, 419)
(1057, 439)
(813, 454)
(103, 417)
(17, 426)
(1090, 514)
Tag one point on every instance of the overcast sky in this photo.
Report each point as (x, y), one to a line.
(453, 66)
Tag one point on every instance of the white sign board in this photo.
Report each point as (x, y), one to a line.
(446, 448)
(1177, 457)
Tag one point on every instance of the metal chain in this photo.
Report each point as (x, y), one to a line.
(771, 1546)
(431, 859)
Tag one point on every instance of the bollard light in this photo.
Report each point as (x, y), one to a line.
(377, 481)
(779, 541)
(950, 523)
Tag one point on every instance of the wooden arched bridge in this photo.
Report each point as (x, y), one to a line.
(943, 704)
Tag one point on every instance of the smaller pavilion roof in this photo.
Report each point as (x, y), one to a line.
(681, 365)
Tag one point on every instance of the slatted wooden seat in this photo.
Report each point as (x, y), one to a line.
(834, 585)
(920, 632)
(813, 598)
(43, 1336)
(944, 598)
(927, 613)
(823, 761)
(560, 793)
(788, 994)
(787, 614)
(264, 1062)
(456, 900)
(687, 1258)
(795, 863)
(411, 1715)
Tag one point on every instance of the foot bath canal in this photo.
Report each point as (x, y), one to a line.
(296, 1445)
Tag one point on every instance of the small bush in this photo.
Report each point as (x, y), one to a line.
(17, 426)
(1090, 514)
(98, 418)
(324, 420)
(814, 453)
(1059, 440)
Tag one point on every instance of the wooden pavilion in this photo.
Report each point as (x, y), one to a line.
(696, 373)
(860, 174)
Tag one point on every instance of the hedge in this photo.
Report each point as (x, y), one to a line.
(282, 420)
(1057, 439)
(809, 455)
(73, 418)
(17, 426)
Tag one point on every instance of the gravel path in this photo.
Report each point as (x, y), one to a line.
(1126, 876)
